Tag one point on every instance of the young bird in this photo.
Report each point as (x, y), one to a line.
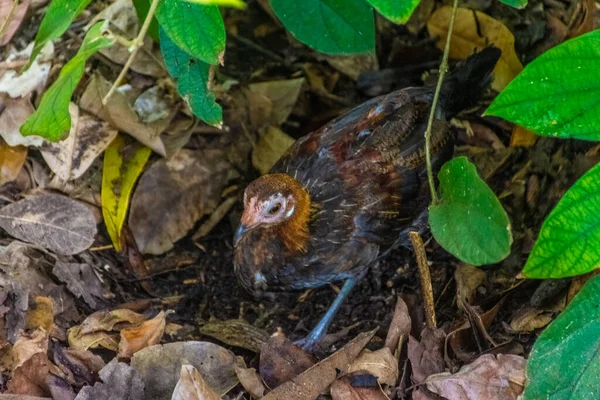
(344, 195)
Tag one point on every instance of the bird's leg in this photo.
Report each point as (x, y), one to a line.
(320, 330)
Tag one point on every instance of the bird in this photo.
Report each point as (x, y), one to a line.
(342, 197)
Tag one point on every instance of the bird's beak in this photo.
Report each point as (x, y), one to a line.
(239, 233)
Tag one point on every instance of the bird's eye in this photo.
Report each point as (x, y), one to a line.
(275, 209)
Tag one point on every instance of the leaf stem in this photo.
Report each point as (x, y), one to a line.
(9, 16)
(443, 70)
(137, 44)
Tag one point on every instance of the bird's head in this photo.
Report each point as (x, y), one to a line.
(279, 203)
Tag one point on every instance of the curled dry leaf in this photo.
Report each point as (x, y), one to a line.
(426, 356)
(191, 386)
(30, 378)
(316, 379)
(236, 332)
(468, 279)
(15, 113)
(78, 367)
(27, 345)
(160, 365)
(11, 161)
(58, 223)
(272, 144)
(147, 334)
(119, 381)
(249, 379)
(489, 377)
(172, 195)
(474, 30)
(380, 363)
(88, 138)
(399, 327)
(281, 360)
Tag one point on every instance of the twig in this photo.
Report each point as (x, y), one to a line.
(137, 44)
(9, 16)
(426, 287)
(443, 70)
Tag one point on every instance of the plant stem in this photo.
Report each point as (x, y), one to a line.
(443, 70)
(426, 286)
(138, 42)
(9, 16)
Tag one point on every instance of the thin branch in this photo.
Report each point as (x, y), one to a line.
(443, 70)
(426, 287)
(9, 16)
(138, 42)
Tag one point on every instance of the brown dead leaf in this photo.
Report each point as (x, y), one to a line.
(87, 139)
(426, 357)
(487, 378)
(147, 334)
(119, 381)
(11, 161)
(27, 345)
(160, 365)
(380, 363)
(236, 332)
(272, 144)
(78, 367)
(351, 66)
(399, 327)
(30, 378)
(41, 314)
(15, 113)
(343, 389)
(98, 329)
(281, 360)
(522, 137)
(174, 194)
(313, 381)
(530, 318)
(584, 22)
(468, 279)
(474, 30)
(191, 386)
(249, 379)
(283, 96)
(81, 280)
(15, 21)
(120, 114)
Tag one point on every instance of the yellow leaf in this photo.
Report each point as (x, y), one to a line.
(474, 30)
(11, 161)
(522, 137)
(225, 3)
(123, 164)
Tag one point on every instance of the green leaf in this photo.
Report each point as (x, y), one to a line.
(565, 360)
(329, 26)
(469, 222)
(141, 10)
(225, 3)
(123, 164)
(52, 119)
(194, 28)
(192, 78)
(59, 15)
(570, 236)
(515, 3)
(397, 11)
(558, 93)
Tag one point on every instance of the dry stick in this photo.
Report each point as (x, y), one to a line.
(443, 70)
(426, 287)
(9, 16)
(138, 42)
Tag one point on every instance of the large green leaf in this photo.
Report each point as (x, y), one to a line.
(569, 241)
(52, 119)
(469, 222)
(515, 3)
(557, 94)
(59, 15)
(192, 78)
(195, 28)
(565, 360)
(397, 11)
(329, 26)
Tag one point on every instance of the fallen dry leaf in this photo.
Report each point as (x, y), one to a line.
(87, 139)
(78, 367)
(313, 381)
(474, 30)
(380, 363)
(399, 327)
(81, 281)
(17, 84)
(30, 378)
(249, 379)
(11, 161)
(522, 137)
(530, 318)
(271, 145)
(343, 389)
(489, 377)
(27, 345)
(351, 66)
(426, 357)
(191, 386)
(174, 194)
(468, 279)
(236, 332)
(281, 360)
(58, 223)
(15, 21)
(147, 334)
(15, 113)
(160, 366)
(119, 381)
(283, 96)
